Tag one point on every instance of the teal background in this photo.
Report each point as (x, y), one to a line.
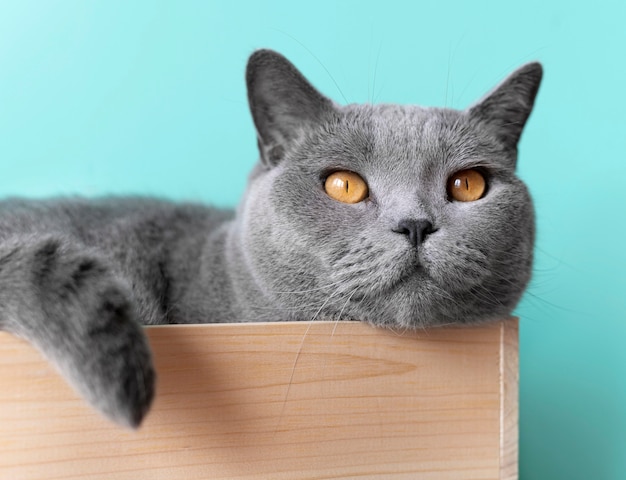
(148, 97)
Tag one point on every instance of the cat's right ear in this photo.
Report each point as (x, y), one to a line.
(283, 103)
(507, 108)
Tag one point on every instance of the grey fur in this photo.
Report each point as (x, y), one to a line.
(78, 277)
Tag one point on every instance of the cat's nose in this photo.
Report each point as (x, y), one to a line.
(415, 230)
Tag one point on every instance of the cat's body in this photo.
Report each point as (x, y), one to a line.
(78, 277)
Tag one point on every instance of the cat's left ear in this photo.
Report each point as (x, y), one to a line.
(508, 106)
(282, 102)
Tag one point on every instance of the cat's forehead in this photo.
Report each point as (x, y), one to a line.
(413, 126)
(408, 136)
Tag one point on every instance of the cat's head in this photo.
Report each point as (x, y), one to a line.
(440, 230)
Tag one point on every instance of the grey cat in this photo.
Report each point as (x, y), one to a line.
(395, 215)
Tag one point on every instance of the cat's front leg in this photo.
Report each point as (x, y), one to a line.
(65, 300)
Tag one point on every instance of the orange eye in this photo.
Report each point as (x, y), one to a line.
(346, 187)
(466, 186)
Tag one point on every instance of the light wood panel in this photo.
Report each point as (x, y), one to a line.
(280, 401)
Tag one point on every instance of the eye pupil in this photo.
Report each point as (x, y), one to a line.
(346, 187)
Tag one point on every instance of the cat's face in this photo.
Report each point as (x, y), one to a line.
(409, 251)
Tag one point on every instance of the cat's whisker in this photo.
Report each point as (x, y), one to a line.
(298, 353)
(394, 330)
(324, 304)
(341, 312)
(445, 101)
(303, 307)
(485, 296)
(317, 60)
(437, 290)
(346, 303)
(316, 289)
(380, 46)
(502, 278)
(293, 371)
(336, 324)
(546, 303)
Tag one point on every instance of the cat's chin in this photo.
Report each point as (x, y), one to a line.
(416, 301)
(406, 289)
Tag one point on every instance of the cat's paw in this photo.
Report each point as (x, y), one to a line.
(118, 377)
(84, 320)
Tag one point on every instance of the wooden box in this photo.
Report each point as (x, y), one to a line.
(280, 401)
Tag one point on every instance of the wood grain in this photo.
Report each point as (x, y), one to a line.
(509, 400)
(280, 401)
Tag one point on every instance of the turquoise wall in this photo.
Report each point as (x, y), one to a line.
(148, 97)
